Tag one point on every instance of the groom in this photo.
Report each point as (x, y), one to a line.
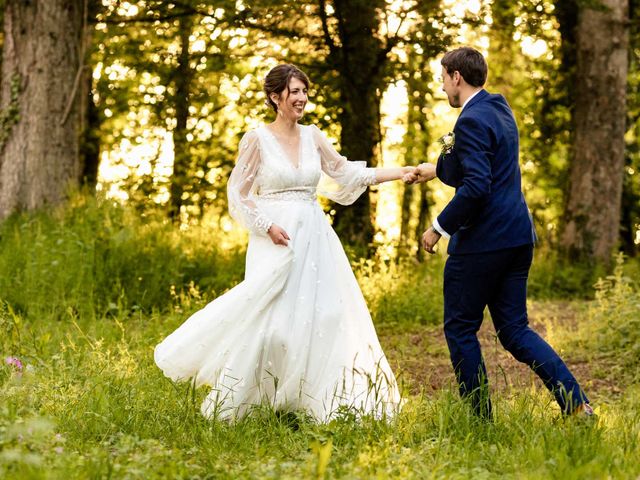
(491, 238)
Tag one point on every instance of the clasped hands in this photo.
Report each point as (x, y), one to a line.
(420, 174)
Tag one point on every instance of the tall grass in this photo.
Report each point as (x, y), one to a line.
(95, 258)
(611, 326)
(87, 291)
(93, 405)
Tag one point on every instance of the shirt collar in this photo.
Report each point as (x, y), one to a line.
(469, 99)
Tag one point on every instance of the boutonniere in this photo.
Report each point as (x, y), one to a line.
(447, 142)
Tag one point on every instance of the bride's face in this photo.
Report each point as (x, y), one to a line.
(291, 103)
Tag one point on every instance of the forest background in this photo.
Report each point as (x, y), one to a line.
(119, 125)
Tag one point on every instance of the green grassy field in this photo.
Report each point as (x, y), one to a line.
(87, 292)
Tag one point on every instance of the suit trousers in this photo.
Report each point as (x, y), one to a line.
(498, 280)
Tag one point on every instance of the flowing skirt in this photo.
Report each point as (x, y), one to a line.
(296, 334)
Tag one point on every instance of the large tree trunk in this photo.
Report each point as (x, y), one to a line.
(43, 108)
(360, 139)
(360, 60)
(592, 214)
(182, 157)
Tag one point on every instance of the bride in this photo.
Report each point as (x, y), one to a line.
(296, 334)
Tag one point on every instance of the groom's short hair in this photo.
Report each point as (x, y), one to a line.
(469, 62)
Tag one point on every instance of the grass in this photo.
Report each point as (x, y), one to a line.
(89, 402)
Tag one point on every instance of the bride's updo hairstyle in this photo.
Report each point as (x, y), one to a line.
(277, 81)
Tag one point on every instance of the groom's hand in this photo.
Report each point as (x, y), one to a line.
(426, 172)
(422, 173)
(429, 239)
(409, 175)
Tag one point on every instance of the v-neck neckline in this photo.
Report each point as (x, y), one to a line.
(283, 150)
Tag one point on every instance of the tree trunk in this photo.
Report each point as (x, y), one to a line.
(416, 146)
(42, 110)
(360, 61)
(90, 147)
(182, 157)
(91, 140)
(592, 214)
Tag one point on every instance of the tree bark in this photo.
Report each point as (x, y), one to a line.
(42, 109)
(592, 212)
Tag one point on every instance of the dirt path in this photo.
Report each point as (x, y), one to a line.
(421, 358)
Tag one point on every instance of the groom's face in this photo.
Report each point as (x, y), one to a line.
(451, 86)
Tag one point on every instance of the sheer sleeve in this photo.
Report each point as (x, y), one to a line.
(346, 180)
(241, 187)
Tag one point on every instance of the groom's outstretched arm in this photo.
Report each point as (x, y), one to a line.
(473, 148)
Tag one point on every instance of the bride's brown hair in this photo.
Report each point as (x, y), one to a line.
(278, 78)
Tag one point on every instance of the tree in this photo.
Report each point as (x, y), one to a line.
(181, 154)
(354, 49)
(592, 213)
(415, 146)
(162, 66)
(630, 224)
(43, 108)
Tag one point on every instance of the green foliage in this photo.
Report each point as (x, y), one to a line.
(553, 276)
(404, 292)
(630, 222)
(89, 402)
(613, 326)
(541, 102)
(146, 83)
(97, 258)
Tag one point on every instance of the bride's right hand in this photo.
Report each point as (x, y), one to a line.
(278, 235)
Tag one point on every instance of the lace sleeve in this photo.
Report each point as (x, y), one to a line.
(240, 188)
(347, 180)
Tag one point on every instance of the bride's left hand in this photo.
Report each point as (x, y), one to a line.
(278, 235)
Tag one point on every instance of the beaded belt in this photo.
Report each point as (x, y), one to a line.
(292, 194)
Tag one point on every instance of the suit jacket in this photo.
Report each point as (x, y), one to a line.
(488, 211)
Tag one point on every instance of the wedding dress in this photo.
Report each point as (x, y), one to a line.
(296, 333)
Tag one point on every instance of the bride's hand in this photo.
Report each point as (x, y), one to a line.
(278, 235)
(409, 175)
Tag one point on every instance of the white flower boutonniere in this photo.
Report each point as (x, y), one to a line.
(447, 142)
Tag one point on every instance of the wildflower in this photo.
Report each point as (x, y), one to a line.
(15, 362)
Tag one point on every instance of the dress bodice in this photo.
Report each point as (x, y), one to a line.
(263, 170)
(277, 171)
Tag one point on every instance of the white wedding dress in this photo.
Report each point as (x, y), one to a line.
(296, 333)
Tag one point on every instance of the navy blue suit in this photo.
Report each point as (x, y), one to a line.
(490, 253)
